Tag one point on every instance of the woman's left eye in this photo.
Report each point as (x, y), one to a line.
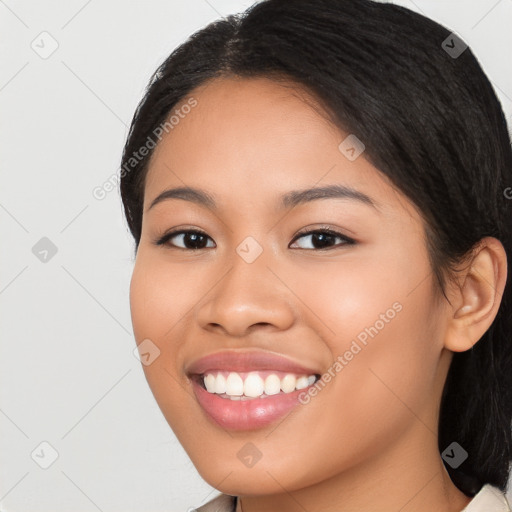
(194, 240)
(322, 238)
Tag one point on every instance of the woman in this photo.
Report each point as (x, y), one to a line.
(317, 193)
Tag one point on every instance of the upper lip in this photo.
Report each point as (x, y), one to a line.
(246, 362)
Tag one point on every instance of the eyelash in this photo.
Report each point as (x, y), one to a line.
(323, 230)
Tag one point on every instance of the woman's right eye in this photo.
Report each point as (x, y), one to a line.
(189, 240)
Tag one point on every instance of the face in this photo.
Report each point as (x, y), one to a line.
(263, 289)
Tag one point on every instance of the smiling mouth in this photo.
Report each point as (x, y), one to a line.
(224, 396)
(250, 389)
(254, 384)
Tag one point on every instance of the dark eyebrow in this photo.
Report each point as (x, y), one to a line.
(191, 194)
(288, 200)
(295, 197)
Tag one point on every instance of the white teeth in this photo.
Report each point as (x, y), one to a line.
(236, 388)
(220, 384)
(272, 385)
(302, 382)
(234, 385)
(288, 383)
(253, 385)
(209, 382)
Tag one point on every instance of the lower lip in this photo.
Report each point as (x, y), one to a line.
(246, 414)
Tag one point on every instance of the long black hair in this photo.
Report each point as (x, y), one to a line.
(430, 121)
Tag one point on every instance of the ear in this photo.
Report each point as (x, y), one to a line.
(477, 297)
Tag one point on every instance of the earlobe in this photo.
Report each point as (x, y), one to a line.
(477, 299)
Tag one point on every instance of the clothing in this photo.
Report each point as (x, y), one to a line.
(488, 499)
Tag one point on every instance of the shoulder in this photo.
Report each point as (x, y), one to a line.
(222, 503)
(488, 499)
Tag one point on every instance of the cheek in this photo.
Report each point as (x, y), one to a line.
(349, 294)
(159, 302)
(160, 298)
(378, 319)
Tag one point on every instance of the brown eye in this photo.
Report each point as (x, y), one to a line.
(188, 240)
(324, 239)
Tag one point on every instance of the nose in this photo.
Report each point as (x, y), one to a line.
(248, 296)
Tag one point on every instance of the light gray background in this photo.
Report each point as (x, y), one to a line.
(68, 374)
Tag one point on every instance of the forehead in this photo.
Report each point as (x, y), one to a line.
(255, 137)
(240, 113)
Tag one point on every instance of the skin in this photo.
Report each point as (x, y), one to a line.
(368, 440)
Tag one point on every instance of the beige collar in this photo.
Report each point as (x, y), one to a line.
(488, 499)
